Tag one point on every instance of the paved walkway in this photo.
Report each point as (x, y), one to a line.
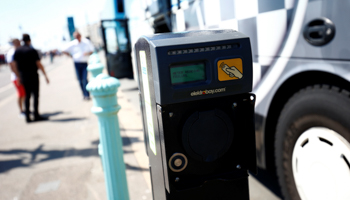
(58, 159)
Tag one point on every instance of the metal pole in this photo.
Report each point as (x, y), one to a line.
(103, 89)
(95, 67)
(94, 58)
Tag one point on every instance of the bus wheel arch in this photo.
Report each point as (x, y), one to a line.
(291, 86)
(295, 85)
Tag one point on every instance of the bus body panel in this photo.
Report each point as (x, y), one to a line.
(280, 51)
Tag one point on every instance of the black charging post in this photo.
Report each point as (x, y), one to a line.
(198, 113)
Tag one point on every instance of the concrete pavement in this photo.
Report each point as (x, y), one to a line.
(58, 159)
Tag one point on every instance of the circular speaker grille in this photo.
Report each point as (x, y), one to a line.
(207, 135)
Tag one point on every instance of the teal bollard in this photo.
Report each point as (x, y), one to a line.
(103, 89)
(95, 67)
(93, 58)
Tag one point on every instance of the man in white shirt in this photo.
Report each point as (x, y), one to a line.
(20, 89)
(80, 49)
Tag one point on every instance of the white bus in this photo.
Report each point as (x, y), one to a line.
(301, 66)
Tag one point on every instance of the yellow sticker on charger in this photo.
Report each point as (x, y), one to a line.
(230, 69)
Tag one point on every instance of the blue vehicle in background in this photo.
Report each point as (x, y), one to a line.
(301, 66)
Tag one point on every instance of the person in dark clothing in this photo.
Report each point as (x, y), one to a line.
(27, 63)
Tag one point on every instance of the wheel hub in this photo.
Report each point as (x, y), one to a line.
(321, 165)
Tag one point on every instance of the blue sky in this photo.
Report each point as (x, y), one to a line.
(46, 20)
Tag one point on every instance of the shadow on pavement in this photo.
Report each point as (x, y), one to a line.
(68, 119)
(9, 164)
(51, 114)
(48, 115)
(95, 142)
(135, 168)
(127, 141)
(39, 155)
(130, 89)
(269, 180)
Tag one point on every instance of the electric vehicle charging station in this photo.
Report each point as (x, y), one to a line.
(198, 113)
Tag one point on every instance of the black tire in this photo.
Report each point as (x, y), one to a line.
(321, 106)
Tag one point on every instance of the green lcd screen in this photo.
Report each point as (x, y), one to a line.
(186, 73)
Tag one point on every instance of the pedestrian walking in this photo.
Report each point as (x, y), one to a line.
(80, 49)
(19, 87)
(26, 65)
(52, 54)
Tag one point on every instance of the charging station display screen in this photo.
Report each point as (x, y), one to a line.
(185, 73)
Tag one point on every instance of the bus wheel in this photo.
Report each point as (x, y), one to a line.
(312, 146)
